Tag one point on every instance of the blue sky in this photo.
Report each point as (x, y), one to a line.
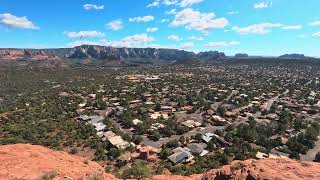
(256, 27)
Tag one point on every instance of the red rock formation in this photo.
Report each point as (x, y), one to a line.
(23, 161)
(266, 169)
(25, 54)
(11, 54)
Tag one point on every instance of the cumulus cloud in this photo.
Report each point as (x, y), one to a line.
(187, 45)
(317, 34)
(93, 7)
(150, 30)
(294, 27)
(13, 21)
(172, 11)
(198, 38)
(262, 28)
(155, 3)
(314, 23)
(185, 3)
(196, 20)
(223, 44)
(263, 4)
(142, 19)
(138, 40)
(115, 25)
(174, 38)
(84, 34)
(102, 42)
(169, 2)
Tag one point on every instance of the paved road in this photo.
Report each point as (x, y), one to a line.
(267, 105)
(217, 104)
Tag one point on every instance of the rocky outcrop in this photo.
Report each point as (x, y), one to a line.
(280, 169)
(24, 161)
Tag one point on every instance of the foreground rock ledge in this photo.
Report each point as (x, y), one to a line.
(24, 161)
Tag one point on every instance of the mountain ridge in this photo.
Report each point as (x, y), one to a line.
(109, 53)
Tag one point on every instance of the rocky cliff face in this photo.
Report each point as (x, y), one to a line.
(25, 54)
(24, 161)
(107, 54)
(127, 54)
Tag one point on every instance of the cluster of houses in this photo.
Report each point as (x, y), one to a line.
(112, 138)
(239, 101)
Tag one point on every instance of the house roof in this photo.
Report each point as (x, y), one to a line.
(196, 148)
(178, 157)
(136, 121)
(118, 141)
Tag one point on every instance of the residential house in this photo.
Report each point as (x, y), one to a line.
(181, 155)
(198, 149)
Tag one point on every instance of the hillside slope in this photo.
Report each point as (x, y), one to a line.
(23, 161)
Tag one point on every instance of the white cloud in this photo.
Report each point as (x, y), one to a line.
(314, 23)
(294, 27)
(138, 40)
(10, 20)
(187, 45)
(317, 34)
(262, 28)
(93, 7)
(198, 38)
(115, 25)
(172, 11)
(196, 20)
(155, 3)
(169, 2)
(142, 19)
(102, 42)
(84, 34)
(233, 12)
(223, 44)
(152, 29)
(164, 20)
(263, 4)
(174, 38)
(185, 3)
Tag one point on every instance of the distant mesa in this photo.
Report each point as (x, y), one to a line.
(211, 55)
(106, 54)
(293, 56)
(241, 55)
(110, 56)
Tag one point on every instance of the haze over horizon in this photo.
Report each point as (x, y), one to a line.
(256, 27)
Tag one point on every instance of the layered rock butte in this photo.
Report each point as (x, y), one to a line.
(103, 54)
(24, 161)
